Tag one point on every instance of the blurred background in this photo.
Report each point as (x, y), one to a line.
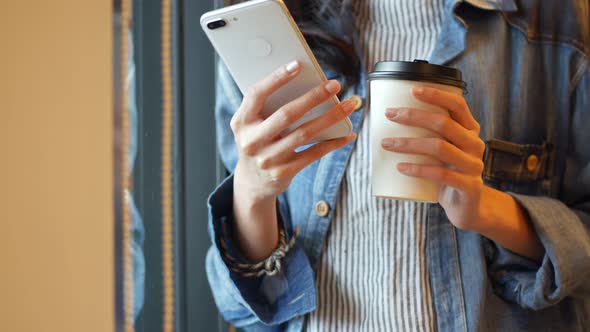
(195, 166)
(61, 243)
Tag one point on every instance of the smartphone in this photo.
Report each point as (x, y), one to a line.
(257, 37)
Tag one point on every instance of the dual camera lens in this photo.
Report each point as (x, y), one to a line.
(216, 24)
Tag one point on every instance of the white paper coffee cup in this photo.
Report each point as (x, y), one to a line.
(390, 86)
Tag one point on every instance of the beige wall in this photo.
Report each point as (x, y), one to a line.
(56, 204)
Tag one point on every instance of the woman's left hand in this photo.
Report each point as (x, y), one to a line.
(459, 148)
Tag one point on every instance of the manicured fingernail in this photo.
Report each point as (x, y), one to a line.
(348, 106)
(404, 168)
(391, 113)
(292, 66)
(332, 86)
(389, 143)
(419, 90)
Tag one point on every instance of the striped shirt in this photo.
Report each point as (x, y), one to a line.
(372, 275)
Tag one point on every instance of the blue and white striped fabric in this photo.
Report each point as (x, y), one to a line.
(372, 275)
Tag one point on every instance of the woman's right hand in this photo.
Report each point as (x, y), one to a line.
(267, 160)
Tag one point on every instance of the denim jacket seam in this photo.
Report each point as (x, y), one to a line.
(578, 76)
(460, 278)
(535, 37)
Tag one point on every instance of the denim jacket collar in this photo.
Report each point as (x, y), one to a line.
(451, 39)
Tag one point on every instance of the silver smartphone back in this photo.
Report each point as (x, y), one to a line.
(256, 38)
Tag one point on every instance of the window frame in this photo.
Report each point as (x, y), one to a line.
(196, 167)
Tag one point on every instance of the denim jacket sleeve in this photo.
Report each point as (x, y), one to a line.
(563, 226)
(266, 302)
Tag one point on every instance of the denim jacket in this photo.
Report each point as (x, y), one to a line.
(526, 64)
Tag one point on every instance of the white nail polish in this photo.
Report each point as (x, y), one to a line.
(292, 66)
(332, 86)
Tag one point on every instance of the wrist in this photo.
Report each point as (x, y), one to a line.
(249, 191)
(490, 202)
(248, 200)
(502, 220)
(498, 212)
(255, 223)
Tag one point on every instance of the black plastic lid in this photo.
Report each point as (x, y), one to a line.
(418, 70)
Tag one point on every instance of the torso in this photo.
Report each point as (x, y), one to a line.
(372, 275)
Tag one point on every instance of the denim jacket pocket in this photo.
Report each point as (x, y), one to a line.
(520, 168)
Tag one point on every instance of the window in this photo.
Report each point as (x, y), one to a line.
(195, 166)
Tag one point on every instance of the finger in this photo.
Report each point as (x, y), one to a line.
(437, 148)
(439, 174)
(455, 104)
(443, 125)
(308, 156)
(254, 99)
(305, 133)
(293, 111)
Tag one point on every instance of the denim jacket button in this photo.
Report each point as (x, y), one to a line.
(531, 162)
(322, 208)
(358, 102)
